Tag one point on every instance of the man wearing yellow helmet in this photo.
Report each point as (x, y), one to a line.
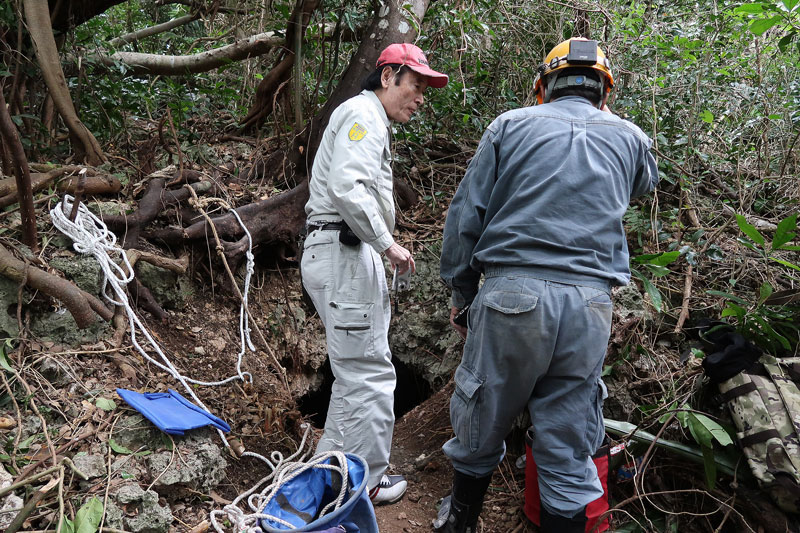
(539, 216)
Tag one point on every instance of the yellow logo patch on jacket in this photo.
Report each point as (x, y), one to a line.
(357, 132)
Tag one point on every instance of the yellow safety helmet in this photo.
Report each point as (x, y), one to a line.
(575, 52)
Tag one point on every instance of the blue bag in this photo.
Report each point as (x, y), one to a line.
(299, 500)
(171, 412)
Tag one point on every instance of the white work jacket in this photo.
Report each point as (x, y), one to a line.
(351, 178)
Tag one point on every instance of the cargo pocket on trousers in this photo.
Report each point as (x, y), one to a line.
(595, 430)
(465, 408)
(351, 336)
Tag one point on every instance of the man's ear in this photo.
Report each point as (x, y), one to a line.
(386, 76)
(604, 100)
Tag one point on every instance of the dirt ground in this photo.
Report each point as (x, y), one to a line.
(417, 454)
(265, 419)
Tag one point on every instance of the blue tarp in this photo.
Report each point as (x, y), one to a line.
(299, 500)
(171, 412)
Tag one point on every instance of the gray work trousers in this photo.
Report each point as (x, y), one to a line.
(540, 344)
(348, 287)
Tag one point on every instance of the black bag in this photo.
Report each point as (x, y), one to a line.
(347, 237)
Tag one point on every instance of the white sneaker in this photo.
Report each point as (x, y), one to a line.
(389, 490)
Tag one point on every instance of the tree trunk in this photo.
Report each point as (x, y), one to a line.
(10, 138)
(282, 69)
(389, 25)
(37, 15)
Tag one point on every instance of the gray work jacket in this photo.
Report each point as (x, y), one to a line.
(546, 192)
(351, 178)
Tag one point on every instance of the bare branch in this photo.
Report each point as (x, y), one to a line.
(152, 30)
(178, 65)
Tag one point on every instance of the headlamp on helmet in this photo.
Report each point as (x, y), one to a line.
(572, 53)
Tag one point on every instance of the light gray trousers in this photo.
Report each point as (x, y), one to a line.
(539, 344)
(348, 287)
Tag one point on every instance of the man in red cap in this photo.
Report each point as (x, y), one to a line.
(350, 222)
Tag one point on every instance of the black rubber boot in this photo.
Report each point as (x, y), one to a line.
(466, 502)
(552, 523)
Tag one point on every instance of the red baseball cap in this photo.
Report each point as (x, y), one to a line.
(412, 57)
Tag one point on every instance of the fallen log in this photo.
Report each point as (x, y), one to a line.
(80, 304)
(95, 184)
(276, 219)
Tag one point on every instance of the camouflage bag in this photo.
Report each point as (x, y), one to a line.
(764, 402)
(762, 395)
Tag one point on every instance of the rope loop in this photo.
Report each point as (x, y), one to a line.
(90, 236)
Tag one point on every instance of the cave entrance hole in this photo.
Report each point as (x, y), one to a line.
(412, 389)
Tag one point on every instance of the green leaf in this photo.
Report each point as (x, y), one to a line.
(787, 263)
(118, 448)
(67, 526)
(697, 353)
(727, 296)
(747, 244)
(715, 431)
(785, 41)
(764, 292)
(790, 4)
(167, 441)
(710, 466)
(771, 333)
(680, 415)
(655, 295)
(658, 271)
(4, 362)
(755, 7)
(105, 404)
(749, 230)
(785, 231)
(26, 444)
(733, 310)
(787, 224)
(707, 116)
(779, 241)
(658, 259)
(759, 26)
(88, 517)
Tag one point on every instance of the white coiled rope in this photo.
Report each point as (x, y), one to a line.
(282, 471)
(91, 236)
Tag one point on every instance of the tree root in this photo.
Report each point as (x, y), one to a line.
(80, 304)
(276, 219)
(155, 199)
(143, 298)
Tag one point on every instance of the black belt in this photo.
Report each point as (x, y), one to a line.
(329, 226)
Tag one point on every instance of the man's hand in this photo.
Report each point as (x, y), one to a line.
(460, 329)
(400, 258)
